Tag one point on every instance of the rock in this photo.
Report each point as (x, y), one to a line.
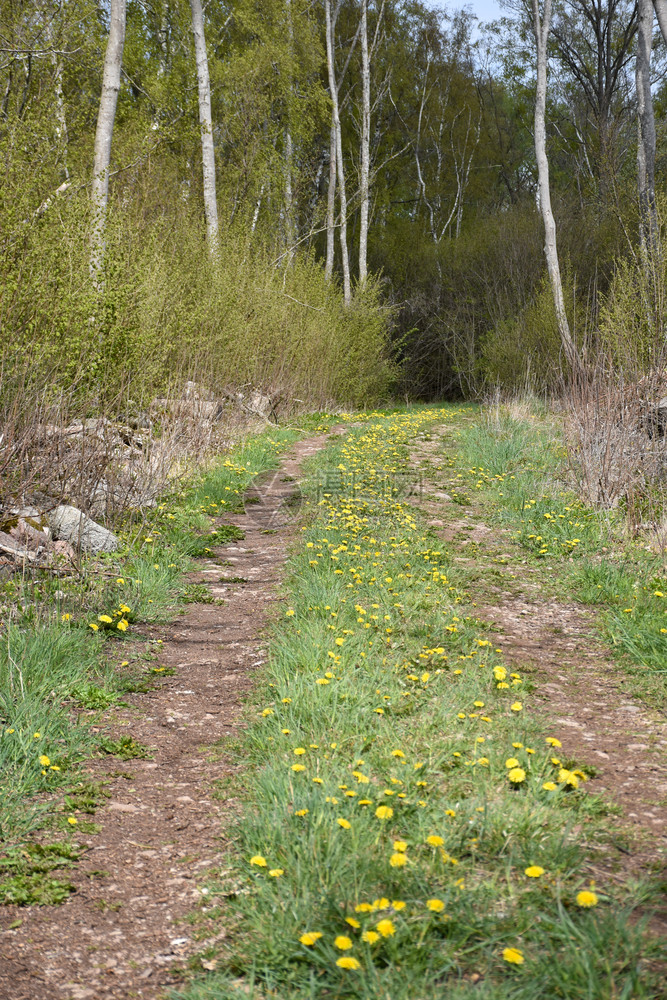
(69, 524)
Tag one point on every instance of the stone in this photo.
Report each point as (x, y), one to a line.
(71, 525)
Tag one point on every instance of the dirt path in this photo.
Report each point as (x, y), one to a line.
(123, 933)
(578, 687)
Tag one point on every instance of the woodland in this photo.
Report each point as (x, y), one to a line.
(331, 201)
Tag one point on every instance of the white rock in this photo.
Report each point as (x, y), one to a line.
(72, 525)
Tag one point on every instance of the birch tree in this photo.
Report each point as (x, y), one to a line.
(340, 166)
(660, 7)
(541, 26)
(206, 126)
(648, 223)
(365, 144)
(104, 133)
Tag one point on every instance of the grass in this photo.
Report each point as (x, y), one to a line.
(66, 649)
(409, 829)
(581, 552)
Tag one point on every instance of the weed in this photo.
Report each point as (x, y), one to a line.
(196, 593)
(126, 748)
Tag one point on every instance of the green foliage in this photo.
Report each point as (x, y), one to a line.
(126, 748)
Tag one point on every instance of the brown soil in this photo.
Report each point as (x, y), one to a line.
(124, 933)
(578, 687)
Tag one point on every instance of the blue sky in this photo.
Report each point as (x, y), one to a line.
(486, 10)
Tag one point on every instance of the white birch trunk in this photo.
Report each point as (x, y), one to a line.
(661, 13)
(113, 59)
(331, 206)
(342, 196)
(289, 147)
(648, 222)
(365, 145)
(541, 28)
(206, 124)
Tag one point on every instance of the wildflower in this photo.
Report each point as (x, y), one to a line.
(398, 860)
(553, 742)
(435, 841)
(107, 619)
(44, 760)
(343, 942)
(353, 923)
(122, 625)
(513, 956)
(511, 762)
(516, 706)
(66, 617)
(72, 820)
(344, 823)
(385, 928)
(534, 871)
(120, 580)
(363, 908)
(93, 626)
(397, 904)
(348, 962)
(298, 767)
(299, 750)
(435, 905)
(400, 845)
(289, 612)
(516, 775)
(309, 938)
(568, 778)
(370, 937)
(549, 786)
(36, 736)
(384, 812)
(586, 898)
(258, 860)
(301, 812)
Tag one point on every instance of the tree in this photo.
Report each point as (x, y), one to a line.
(541, 27)
(336, 128)
(206, 125)
(104, 134)
(648, 222)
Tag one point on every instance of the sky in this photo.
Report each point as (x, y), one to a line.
(486, 10)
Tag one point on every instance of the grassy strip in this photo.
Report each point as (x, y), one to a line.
(514, 467)
(66, 644)
(410, 830)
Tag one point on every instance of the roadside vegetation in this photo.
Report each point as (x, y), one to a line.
(73, 644)
(411, 828)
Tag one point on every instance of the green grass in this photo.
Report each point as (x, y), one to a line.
(584, 553)
(55, 669)
(379, 803)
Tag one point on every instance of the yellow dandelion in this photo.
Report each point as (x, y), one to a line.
(384, 812)
(513, 956)
(435, 905)
(586, 898)
(385, 928)
(348, 962)
(309, 938)
(343, 942)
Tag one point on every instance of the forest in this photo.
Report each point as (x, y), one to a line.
(373, 191)
(333, 505)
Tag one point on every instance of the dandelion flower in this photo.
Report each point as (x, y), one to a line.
(435, 841)
(299, 751)
(534, 871)
(435, 905)
(516, 775)
(400, 845)
(309, 938)
(348, 962)
(549, 786)
(513, 956)
(398, 860)
(298, 767)
(516, 706)
(553, 742)
(72, 820)
(276, 872)
(258, 860)
(511, 762)
(384, 812)
(344, 823)
(343, 942)
(44, 760)
(353, 923)
(370, 937)
(385, 928)
(586, 898)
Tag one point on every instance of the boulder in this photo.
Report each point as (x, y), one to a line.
(71, 525)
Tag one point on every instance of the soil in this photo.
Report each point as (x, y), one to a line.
(124, 932)
(577, 686)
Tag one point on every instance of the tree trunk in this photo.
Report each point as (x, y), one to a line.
(342, 196)
(206, 124)
(648, 221)
(289, 146)
(541, 28)
(331, 206)
(103, 135)
(365, 144)
(661, 13)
